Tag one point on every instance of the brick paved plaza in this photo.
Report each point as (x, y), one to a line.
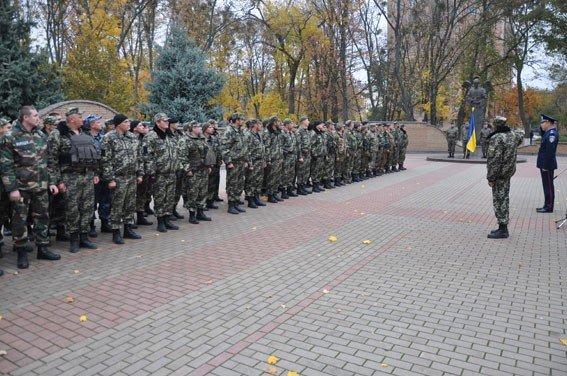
(430, 294)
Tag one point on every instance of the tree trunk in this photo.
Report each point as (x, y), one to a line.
(520, 88)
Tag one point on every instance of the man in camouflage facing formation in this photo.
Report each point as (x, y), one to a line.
(452, 135)
(501, 166)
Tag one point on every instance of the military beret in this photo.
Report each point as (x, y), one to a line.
(160, 116)
(73, 111)
(174, 120)
(547, 118)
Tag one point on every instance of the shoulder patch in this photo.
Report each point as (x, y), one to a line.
(552, 138)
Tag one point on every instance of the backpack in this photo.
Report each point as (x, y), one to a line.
(83, 151)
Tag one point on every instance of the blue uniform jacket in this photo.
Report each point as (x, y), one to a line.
(546, 155)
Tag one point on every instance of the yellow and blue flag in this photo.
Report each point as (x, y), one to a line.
(471, 144)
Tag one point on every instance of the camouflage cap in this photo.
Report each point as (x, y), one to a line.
(212, 121)
(302, 119)
(160, 116)
(236, 116)
(287, 121)
(51, 120)
(499, 120)
(4, 121)
(73, 111)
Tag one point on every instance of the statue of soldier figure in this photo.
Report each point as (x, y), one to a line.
(476, 98)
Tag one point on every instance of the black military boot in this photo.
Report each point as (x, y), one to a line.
(1, 272)
(251, 202)
(257, 201)
(1, 253)
(211, 204)
(74, 242)
(117, 237)
(84, 242)
(501, 233)
(7, 229)
(141, 220)
(147, 209)
(284, 194)
(161, 225)
(301, 190)
(105, 227)
(177, 215)
(317, 188)
(193, 218)
(290, 192)
(218, 199)
(237, 207)
(61, 235)
(328, 184)
(45, 254)
(231, 208)
(23, 262)
(129, 233)
(168, 224)
(272, 199)
(201, 215)
(92, 231)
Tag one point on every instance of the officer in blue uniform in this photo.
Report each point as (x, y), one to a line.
(546, 161)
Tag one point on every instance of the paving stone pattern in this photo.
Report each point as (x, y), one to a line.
(430, 294)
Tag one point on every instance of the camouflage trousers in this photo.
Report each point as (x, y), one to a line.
(385, 158)
(349, 166)
(303, 169)
(356, 162)
(340, 165)
(274, 177)
(329, 167)
(80, 201)
(179, 188)
(393, 157)
(164, 194)
(195, 188)
(57, 208)
(402, 156)
(35, 205)
(378, 158)
(451, 146)
(253, 179)
(484, 147)
(288, 174)
(5, 211)
(123, 202)
(235, 181)
(142, 193)
(317, 169)
(372, 161)
(214, 183)
(501, 200)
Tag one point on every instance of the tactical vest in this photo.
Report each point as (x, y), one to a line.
(83, 151)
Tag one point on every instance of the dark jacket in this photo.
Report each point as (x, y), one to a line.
(546, 155)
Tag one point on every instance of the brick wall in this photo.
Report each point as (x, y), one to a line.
(423, 137)
(89, 108)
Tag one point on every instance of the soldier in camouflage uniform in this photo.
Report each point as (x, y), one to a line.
(357, 168)
(275, 154)
(394, 151)
(304, 159)
(329, 165)
(26, 178)
(403, 145)
(291, 152)
(235, 156)
(465, 139)
(340, 161)
(122, 168)
(367, 145)
(452, 135)
(178, 135)
(318, 155)
(161, 148)
(352, 146)
(484, 133)
(4, 199)
(192, 155)
(387, 141)
(75, 175)
(213, 143)
(140, 130)
(256, 163)
(501, 166)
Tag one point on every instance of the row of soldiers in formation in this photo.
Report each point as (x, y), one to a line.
(59, 173)
(452, 135)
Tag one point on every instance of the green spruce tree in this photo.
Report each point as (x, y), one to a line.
(26, 77)
(182, 85)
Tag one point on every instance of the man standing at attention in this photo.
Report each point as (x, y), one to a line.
(546, 161)
(501, 166)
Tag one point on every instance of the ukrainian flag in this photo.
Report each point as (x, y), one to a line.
(471, 144)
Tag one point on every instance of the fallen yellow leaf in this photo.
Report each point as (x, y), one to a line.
(272, 370)
(1, 317)
(292, 373)
(254, 228)
(272, 359)
(209, 282)
(366, 241)
(384, 365)
(156, 235)
(3, 352)
(83, 318)
(362, 186)
(563, 341)
(76, 271)
(69, 299)
(16, 272)
(332, 238)
(182, 240)
(325, 291)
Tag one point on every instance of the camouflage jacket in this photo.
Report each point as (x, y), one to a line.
(59, 149)
(452, 134)
(120, 156)
(274, 149)
(24, 160)
(256, 149)
(484, 133)
(192, 152)
(341, 144)
(502, 147)
(160, 152)
(213, 142)
(233, 147)
(330, 142)
(404, 141)
(318, 147)
(289, 145)
(352, 144)
(304, 138)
